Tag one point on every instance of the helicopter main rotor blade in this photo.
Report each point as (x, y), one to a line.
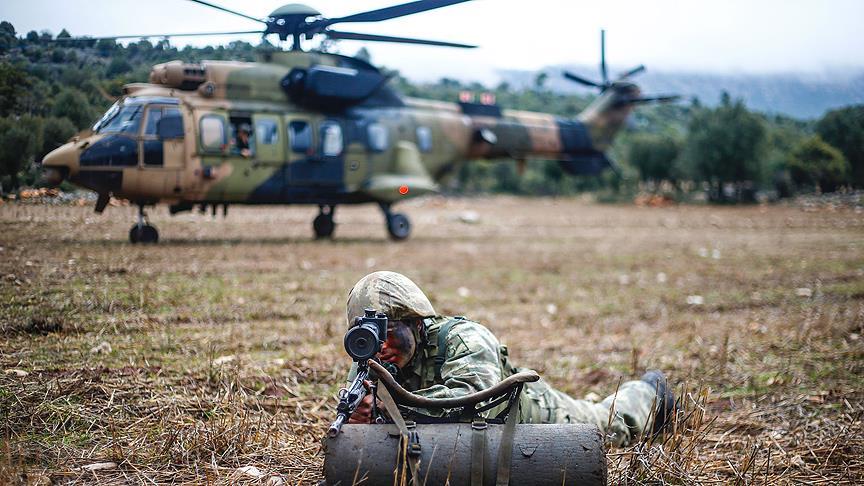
(581, 80)
(638, 69)
(115, 37)
(217, 7)
(650, 99)
(394, 11)
(335, 34)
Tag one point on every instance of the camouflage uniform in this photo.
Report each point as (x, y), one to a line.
(475, 360)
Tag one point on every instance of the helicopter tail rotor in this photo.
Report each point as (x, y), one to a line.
(581, 80)
(627, 92)
(632, 72)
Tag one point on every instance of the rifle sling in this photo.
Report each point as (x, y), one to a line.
(505, 448)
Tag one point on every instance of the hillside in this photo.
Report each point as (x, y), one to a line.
(799, 95)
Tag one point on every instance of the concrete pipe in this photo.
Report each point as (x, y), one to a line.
(559, 454)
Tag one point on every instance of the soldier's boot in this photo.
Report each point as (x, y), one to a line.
(667, 406)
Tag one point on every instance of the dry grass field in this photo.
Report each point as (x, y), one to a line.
(221, 347)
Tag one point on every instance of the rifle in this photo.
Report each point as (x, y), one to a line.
(362, 342)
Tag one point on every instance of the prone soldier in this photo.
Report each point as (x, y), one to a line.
(449, 357)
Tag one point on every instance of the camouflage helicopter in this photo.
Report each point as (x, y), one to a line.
(307, 127)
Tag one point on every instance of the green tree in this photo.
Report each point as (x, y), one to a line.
(844, 129)
(72, 104)
(118, 66)
(55, 132)
(14, 84)
(106, 47)
(32, 37)
(58, 56)
(20, 138)
(7, 36)
(540, 80)
(724, 145)
(364, 55)
(654, 156)
(814, 162)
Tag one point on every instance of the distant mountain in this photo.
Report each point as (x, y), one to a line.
(797, 95)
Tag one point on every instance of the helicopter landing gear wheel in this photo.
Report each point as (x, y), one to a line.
(398, 225)
(143, 232)
(323, 223)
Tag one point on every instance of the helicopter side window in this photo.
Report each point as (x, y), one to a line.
(242, 137)
(212, 133)
(378, 137)
(300, 134)
(154, 114)
(424, 139)
(170, 126)
(331, 139)
(267, 132)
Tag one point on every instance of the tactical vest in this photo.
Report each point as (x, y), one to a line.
(440, 331)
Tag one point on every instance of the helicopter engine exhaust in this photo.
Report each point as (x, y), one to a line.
(178, 74)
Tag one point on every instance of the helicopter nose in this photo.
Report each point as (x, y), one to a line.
(61, 163)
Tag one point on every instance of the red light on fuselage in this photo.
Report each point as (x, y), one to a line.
(403, 190)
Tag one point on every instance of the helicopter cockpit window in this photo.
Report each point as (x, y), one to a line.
(212, 133)
(300, 134)
(424, 139)
(111, 113)
(267, 132)
(331, 139)
(121, 119)
(378, 137)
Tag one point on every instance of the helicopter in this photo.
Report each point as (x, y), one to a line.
(315, 128)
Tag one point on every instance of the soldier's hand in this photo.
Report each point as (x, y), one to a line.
(363, 413)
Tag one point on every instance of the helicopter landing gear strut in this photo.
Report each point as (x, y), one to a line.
(142, 231)
(398, 225)
(323, 223)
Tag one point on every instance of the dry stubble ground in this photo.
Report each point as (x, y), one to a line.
(220, 347)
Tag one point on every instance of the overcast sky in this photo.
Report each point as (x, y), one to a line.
(728, 36)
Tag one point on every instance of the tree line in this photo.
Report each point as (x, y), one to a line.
(51, 87)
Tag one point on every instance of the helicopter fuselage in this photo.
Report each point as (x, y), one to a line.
(294, 132)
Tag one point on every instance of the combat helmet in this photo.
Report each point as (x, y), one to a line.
(392, 293)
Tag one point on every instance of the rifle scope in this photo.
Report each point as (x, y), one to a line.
(366, 335)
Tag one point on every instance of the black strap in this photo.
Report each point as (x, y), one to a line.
(505, 448)
(478, 451)
(442, 344)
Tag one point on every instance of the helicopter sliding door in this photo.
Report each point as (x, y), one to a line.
(317, 153)
(256, 153)
(270, 148)
(161, 152)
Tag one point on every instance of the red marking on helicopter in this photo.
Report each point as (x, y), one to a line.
(403, 190)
